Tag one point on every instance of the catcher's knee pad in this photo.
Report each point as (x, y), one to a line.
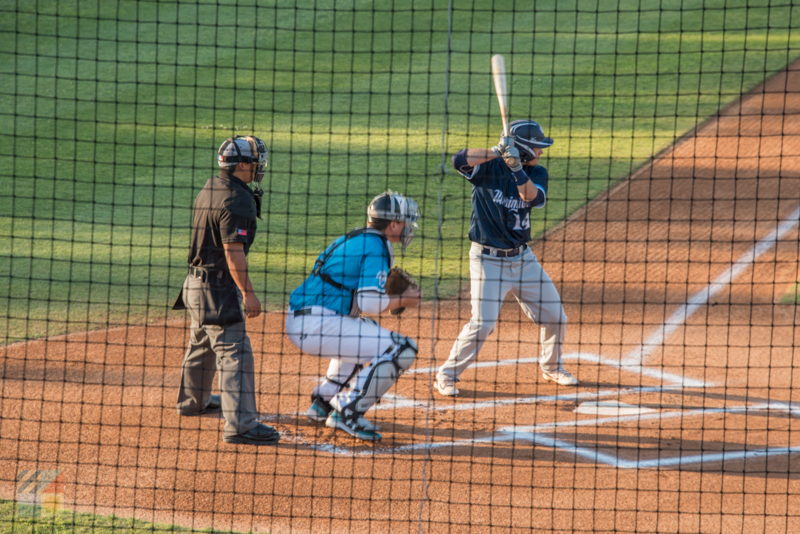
(405, 351)
(384, 372)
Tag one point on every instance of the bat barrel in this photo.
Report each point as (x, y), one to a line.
(500, 88)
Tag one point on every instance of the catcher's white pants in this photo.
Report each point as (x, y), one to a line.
(351, 343)
(491, 279)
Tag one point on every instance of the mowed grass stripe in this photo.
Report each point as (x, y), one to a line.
(114, 111)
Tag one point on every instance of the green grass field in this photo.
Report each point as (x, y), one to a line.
(29, 519)
(112, 112)
(792, 296)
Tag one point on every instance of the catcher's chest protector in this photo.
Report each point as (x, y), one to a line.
(320, 263)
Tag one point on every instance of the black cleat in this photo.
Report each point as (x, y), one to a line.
(214, 406)
(260, 434)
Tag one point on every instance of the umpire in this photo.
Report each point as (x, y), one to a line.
(216, 289)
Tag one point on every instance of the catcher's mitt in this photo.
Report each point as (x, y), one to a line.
(397, 282)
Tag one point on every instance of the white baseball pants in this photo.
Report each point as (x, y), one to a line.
(491, 279)
(351, 343)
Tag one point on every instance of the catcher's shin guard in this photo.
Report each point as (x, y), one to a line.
(382, 374)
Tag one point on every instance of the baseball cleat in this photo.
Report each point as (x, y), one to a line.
(261, 434)
(446, 387)
(319, 409)
(367, 424)
(560, 376)
(353, 426)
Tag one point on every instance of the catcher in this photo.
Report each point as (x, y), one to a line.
(354, 276)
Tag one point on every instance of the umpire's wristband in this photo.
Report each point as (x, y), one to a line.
(520, 178)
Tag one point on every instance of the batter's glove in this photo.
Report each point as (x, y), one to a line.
(501, 146)
(507, 150)
(397, 282)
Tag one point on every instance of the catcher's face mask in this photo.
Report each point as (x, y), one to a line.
(411, 217)
(393, 206)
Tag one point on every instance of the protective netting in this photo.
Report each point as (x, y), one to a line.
(661, 272)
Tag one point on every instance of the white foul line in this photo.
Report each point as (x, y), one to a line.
(699, 299)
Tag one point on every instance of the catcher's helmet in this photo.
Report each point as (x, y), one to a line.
(244, 149)
(528, 135)
(392, 206)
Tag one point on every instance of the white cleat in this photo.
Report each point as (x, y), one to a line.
(446, 387)
(560, 376)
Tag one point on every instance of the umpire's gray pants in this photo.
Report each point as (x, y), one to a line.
(491, 279)
(225, 349)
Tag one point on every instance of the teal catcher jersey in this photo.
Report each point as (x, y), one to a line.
(349, 264)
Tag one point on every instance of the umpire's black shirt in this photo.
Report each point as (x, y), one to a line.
(224, 212)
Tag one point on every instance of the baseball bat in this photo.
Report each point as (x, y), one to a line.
(499, 77)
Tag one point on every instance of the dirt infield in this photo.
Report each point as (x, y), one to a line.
(685, 420)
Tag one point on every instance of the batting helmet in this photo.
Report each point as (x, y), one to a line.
(244, 149)
(528, 134)
(392, 206)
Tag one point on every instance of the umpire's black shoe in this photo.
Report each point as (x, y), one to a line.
(260, 434)
(214, 405)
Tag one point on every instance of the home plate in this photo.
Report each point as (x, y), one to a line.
(611, 408)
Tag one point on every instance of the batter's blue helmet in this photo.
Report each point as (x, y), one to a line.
(528, 135)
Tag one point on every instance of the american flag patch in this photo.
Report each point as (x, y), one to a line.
(241, 231)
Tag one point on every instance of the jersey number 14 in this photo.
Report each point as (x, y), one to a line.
(523, 223)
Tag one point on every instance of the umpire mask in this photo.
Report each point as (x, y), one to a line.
(246, 149)
(392, 206)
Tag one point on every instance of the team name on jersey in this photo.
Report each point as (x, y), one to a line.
(509, 202)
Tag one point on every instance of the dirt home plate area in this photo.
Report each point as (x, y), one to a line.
(685, 419)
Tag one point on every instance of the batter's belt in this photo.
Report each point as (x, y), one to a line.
(503, 252)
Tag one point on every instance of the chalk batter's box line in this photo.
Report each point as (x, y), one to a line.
(673, 381)
(542, 435)
(591, 453)
(652, 372)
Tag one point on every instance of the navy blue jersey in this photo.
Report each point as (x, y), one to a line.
(500, 218)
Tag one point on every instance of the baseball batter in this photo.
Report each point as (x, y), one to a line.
(507, 182)
(324, 317)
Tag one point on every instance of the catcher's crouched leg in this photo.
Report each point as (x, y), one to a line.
(375, 380)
